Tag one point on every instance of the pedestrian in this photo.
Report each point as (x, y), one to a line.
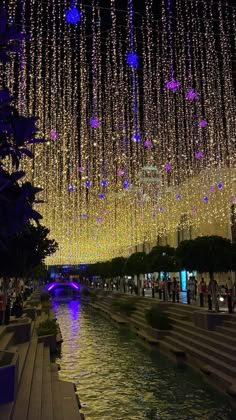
(169, 288)
(212, 293)
(202, 291)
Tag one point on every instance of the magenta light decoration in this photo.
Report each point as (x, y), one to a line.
(94, 122)
(198, 154)
(173, 85)
(167, 167)
(191, 94)
(202, 123)
(53, 134)
(71, 188)
(212, 189)
(75, 286)
(120, 172)
(148, 144)
(80, 169)
(51, 286)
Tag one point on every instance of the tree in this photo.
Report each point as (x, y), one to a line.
(206, 254)
(16, 136)
(162, 259)
(25, 251)
(118, 266)
(136, 264)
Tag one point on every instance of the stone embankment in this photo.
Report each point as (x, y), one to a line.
(30, 388)
(205, 341)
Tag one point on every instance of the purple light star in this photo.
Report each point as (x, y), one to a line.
(198, 155)
(205, 199)
(148, 144)
(88, 183)
(191, 94)
(101, 196)
(167, 167)
(53, 134)
(84, 216)
(202, 123)
(178, 196)
(173, 85)
(220, 186)
(161, 209)
(120, 172)
(71, 188)
(94, 122)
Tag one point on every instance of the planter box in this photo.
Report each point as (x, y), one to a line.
(158, 334)
(209, 320)
(21, 329)
(48, 340)
(9, 366)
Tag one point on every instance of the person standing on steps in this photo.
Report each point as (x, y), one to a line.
(212, 295)
(202, 291)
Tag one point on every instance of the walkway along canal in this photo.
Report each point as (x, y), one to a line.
(117, 378)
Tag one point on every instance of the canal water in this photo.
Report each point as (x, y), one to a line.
(118, 379)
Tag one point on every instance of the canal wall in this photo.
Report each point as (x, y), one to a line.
(205, 342)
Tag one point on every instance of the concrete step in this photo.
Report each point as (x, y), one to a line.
(217, 378)
(207, 348)
(34, 411)
(6, 340)
(69, 401)
(46, 407)
(230, 324)
(23, 396)
(200, 336)
(201, 357)
(227, 331)
(56, 396)
(230, 340)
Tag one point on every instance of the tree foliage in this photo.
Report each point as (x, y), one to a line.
(162, 259)
(136, 264)
(26, 250)
(206, 254)
(17, 134)
(118, 266)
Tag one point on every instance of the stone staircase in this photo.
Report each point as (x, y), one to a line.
(213, 352)
(41, 395)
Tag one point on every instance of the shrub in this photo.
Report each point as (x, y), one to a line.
(48, 327)
(45, 297)
(157, 318)
(46, 305)
(122, 306)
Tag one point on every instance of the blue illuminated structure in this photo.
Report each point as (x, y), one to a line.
(72, 15)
